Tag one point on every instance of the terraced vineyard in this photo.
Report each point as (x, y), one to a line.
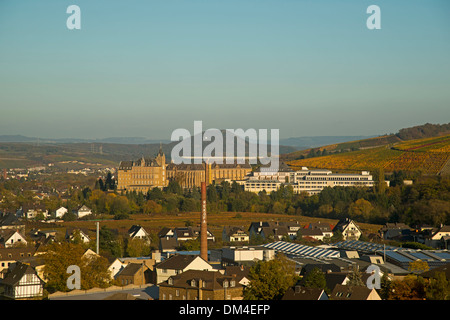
(430, 156)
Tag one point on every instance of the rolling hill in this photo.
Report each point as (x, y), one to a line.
(428, 156)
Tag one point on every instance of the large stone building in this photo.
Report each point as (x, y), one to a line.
(147, 173)
(142, 174)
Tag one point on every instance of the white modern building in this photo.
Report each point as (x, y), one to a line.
(305, 180)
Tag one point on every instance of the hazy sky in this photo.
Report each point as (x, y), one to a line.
(145, 68)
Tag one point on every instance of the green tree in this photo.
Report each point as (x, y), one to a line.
(438, 287)
(355, 278)
(269, 280)
(137, 247)
(315, 279)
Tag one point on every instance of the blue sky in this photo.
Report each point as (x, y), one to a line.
(145, 68)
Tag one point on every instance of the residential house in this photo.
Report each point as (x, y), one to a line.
(396, 231)
(134, 273)
(60, 212)
(298, 292)
(190, 233)
(240, 273)
(177, 264)
(307, 233)
(326, 228)
(138, 232)
(269, 230)
(31, 211)
(115, 267)
(166, 232)
(11, 221)
(234, 234)
(83, 211)
(9, 256)
(440, 238)
(168, 244)
(200, 285)
(77, 234)
(345, 292)
(22, 282)
(348, 228)
(11, 238)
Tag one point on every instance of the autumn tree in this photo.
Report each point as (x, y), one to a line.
(269, 280)
(59, 256)
(410, 288)
(418, 266)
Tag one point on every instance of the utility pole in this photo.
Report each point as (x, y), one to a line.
(98, 238)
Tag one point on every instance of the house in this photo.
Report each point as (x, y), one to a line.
(396, 231)
(269, 230)
(31, 211)
(115, 267)
(22, 282)
(234, 234)
(440, 238)
(315, 234)
(168, 244)
(200, 285)
(138, 232)
(134, 273)
(348, 228)
(177, 264)
(60, 212)
(11, 238)
(74, 234)
(190, 233)
(298, 292)
(240, 272)
(345, 292)
(83, 211)
(11, 221)
(326, 228)
(277, 230)
(166, 232)
(9, 256)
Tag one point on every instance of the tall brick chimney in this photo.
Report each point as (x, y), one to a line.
(203, 225)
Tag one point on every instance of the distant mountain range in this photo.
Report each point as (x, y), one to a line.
(295, 143)
(119, 140)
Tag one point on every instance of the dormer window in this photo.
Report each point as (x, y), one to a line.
(170, 281)
(193, 283)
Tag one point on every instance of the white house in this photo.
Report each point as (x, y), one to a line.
(438, 238)
(10, 238)
(22, 282)
(115, 267)
(349, 229)
(234, 234)
(59, 213)
(83, 211)
(31, 212)
(138, 232)
(180, 263)
(73, 233)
